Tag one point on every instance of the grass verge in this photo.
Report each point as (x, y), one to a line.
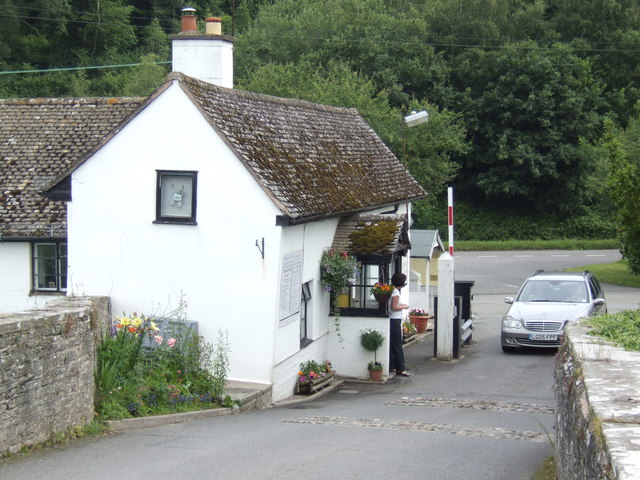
(615, 273)
(561, 244)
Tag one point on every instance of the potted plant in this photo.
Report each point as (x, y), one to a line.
(371, 340)
(337, 270)
(313, 376)
(375, 371)
(420, 318)
(382, 291)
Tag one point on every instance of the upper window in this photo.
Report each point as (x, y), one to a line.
(49, 266)
(176, 194)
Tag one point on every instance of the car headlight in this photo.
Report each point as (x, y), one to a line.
(510, 322)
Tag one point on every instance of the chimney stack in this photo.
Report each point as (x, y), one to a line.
(207, 57)
(214, 26)
(189, 24)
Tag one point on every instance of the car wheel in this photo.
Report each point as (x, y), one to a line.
(508, 349)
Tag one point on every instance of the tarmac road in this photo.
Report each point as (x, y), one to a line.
(485, 416)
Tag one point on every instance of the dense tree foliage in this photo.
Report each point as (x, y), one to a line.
(517, 90)
(623, 149)
(528, 110)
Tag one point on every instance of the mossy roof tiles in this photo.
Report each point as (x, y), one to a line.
(314, 160)
(40, 139)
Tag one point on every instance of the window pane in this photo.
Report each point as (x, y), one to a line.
(176, 196)
(45, 266)
(62, 266)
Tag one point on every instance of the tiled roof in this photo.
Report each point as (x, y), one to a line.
(39, 140)
(347, 225)
(313, 160)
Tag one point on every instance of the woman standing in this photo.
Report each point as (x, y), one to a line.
(396, 355)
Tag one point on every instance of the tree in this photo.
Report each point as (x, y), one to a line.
(532, 113)
(623, 149)
(388, 47)
(607, 32)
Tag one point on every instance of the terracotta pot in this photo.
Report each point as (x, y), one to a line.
(375, 375)
(420, 323)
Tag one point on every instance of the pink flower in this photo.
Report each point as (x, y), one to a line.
(171, 342)
(158, 339)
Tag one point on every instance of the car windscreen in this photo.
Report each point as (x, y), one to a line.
(553, 291)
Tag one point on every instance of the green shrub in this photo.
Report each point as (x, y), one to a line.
(622, 328)
(175, 374)
(482, 224)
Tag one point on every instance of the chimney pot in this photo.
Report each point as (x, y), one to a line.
(189, 20)
(214, 26)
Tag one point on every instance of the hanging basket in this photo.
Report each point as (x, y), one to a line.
(382, 297)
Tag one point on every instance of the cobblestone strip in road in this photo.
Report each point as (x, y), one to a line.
(424, 427)
(474, 404)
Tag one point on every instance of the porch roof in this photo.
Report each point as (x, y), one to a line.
(398, 243)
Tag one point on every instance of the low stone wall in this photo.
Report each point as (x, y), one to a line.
(47, 359)
(597, 395)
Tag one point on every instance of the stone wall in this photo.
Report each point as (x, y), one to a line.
(597, 396)
(47, 359)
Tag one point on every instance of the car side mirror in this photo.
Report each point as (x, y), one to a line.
(599, 301)
(508, 300)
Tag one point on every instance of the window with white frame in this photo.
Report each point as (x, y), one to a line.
(49, 266)
(176, 195)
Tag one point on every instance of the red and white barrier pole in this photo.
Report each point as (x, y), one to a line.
(450, 209)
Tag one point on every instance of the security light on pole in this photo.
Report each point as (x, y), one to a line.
(416, 118)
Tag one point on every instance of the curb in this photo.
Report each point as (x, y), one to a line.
(157, 420)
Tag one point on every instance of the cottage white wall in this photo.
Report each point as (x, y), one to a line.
(115, 248)
(311, 239)
(347, 355)
(15, 281)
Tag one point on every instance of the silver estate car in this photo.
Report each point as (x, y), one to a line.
(543, 306)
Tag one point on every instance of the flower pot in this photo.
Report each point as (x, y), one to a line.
(382, 297)
(342, 300)
(375, 375)
(312, 386)
(420, 323)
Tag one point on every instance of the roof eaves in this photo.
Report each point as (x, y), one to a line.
(143, 104)
(176, 76)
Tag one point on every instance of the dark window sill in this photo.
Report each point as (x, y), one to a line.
(305, 342)
(175, 222)
(362, 312)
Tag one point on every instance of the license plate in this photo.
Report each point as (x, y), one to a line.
(543, 336)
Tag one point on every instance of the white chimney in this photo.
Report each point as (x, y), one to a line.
(207, 57)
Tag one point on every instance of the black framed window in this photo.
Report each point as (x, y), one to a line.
(176, 195)
(49, 266)
(304, 315)
(357, 299)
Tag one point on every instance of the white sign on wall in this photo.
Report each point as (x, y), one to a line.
(290, 284)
